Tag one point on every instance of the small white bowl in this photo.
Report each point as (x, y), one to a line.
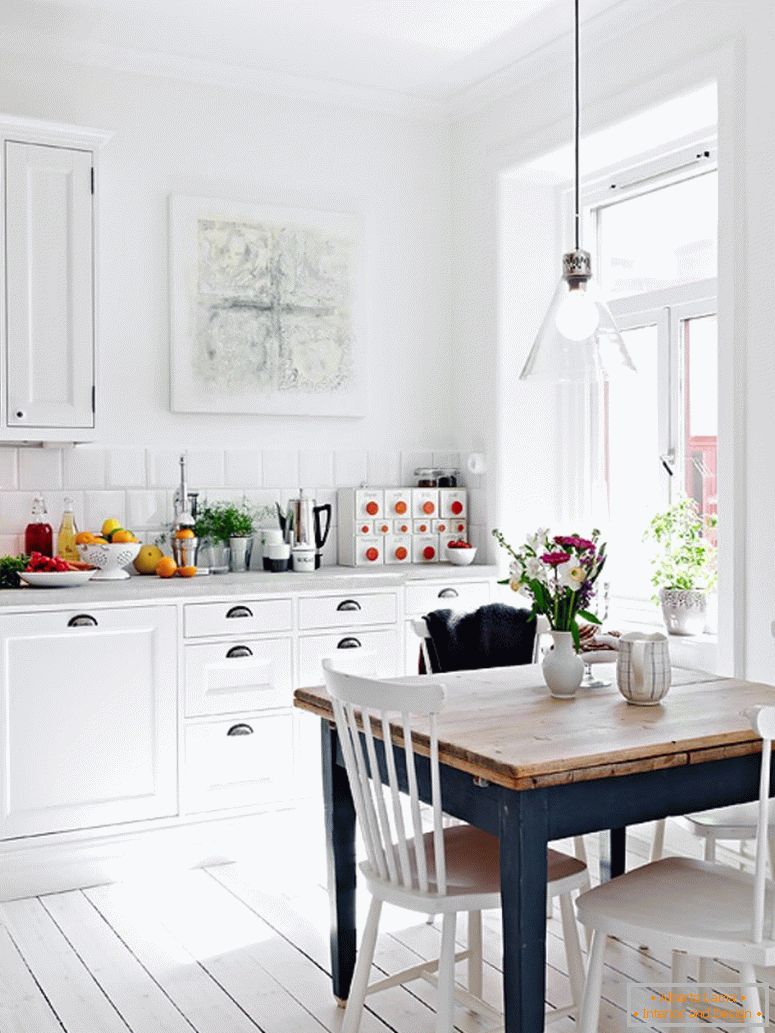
(461, 557)
(110, 559)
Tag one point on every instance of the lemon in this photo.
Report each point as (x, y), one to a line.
(110, 525)
(148, 559)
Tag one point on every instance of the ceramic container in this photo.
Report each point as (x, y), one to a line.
(643, 668)
(563, 669)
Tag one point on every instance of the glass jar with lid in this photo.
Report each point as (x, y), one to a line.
(448, 476)
(427, 477)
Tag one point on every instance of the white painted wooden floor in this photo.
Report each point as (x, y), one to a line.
(237, 949)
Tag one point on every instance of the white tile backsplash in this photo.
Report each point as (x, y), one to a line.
(147, 509)
(205, 467)
(137, 486)
(9, 469)
(83, 468)
(316, 468)
(164, 468)
(281, 468)
(243, 468)
(40, 469)
(350, 468)
(99, 505)
(127, 468)
(384, 468)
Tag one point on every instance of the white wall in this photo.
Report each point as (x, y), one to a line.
(172, 136)
(652, 52)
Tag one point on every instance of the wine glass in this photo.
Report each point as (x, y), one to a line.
(589, 681)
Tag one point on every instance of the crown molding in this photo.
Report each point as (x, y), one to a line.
(215, 73)
(606, 25)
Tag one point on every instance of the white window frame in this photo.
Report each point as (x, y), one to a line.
(665, 308)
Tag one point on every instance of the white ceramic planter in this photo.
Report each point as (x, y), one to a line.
(685, 611)
(563, 669)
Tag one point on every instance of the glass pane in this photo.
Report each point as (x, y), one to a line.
(659, 239)
(634, 472)
(700, 410)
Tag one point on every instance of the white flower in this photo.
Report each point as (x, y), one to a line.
(537, 541)
(569, 575)
(535, 569)
(515, 585)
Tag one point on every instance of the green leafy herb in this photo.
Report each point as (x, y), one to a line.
(685, 556)
(10, 568)
(223, 520)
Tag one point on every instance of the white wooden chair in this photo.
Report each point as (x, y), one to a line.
(693, 908)
(445, 871)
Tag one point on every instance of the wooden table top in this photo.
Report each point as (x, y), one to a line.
(502, 725)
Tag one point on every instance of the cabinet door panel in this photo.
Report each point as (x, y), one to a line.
(49, 294)
(89, 717)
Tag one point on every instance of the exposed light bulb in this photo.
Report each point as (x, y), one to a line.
(577, 317)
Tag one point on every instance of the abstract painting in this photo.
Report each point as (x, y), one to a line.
(265, 307)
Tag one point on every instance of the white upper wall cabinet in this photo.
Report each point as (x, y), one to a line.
(48, 346)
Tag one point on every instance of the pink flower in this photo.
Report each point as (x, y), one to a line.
(554, 559)
(573, 541)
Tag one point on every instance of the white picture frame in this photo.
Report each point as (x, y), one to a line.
(266, 310)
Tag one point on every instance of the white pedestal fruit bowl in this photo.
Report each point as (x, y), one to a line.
(110, 559)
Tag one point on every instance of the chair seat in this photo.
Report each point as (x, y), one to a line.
(681, 900)
(473, 864)
(735, 822)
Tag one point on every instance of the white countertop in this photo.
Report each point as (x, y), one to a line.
(150, 589)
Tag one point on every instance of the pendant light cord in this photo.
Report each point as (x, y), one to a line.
(576, 116)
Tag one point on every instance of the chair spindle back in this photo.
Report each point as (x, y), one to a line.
(363, 709)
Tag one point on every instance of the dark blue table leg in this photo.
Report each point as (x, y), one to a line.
(523, 845)
(613, 854)
(340, 857)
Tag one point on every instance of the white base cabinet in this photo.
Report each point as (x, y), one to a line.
(89, 730)
(118, 720)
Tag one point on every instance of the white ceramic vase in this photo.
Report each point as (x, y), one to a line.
(684, 611)
(563, 669)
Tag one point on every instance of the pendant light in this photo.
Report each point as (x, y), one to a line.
(578, 340)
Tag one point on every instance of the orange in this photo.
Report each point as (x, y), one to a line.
(84, 538)
(184, 532)
(166, 567)
(187, 571)
(98, 541)
(121, 537)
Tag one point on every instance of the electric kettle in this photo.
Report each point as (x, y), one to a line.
(303, 523)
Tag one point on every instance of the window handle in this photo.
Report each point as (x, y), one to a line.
(667, 459)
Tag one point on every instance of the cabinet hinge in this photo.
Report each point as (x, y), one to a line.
(93, 398)
(92, 179)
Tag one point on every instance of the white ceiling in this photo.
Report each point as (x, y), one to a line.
(428, 49)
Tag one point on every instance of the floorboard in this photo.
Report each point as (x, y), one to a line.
(243, 948)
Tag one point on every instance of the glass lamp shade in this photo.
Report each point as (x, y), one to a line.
(578, 340)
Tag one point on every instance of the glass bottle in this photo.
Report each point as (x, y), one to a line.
(39, 534)
(66, 547)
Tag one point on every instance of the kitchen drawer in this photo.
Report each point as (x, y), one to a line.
(239, 617)
(347, 611)
(449, 595)
(380, 650)
(254, 674)
(240, 762)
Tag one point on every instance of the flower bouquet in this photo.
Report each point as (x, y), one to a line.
(559, 574)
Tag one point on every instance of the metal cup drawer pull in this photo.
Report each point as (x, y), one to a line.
(350, 642)
(239, 611)
(448, 593)
(238, 651)
(82, 620)
(348, 604)
(240, 729)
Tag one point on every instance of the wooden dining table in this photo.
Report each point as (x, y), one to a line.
(531, 769)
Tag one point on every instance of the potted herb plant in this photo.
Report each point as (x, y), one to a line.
(684, 565)
(226, 526)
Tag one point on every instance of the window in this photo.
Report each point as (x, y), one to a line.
(657, 254)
